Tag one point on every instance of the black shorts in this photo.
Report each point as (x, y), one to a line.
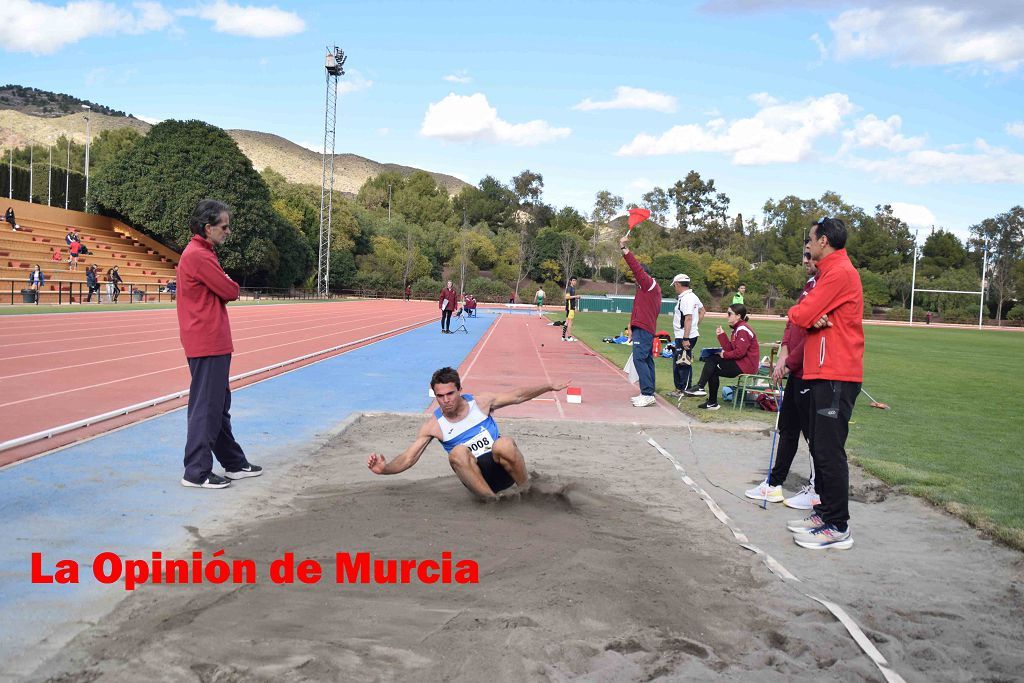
(494, 474)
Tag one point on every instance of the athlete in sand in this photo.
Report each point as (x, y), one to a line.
(485, 461)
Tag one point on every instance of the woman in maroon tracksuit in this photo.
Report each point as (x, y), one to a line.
(739, 356)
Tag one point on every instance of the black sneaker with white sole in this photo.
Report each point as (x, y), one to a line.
(249, 470)
(709, 406)
(212, 481)
(696, 391)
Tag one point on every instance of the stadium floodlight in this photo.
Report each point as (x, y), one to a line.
(88, 139)
(334, 68)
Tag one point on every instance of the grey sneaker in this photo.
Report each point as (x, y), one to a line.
(799, 526)
(824, 537)
(213, 481)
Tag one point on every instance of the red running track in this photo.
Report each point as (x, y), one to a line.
(57, 369)
(510, 354)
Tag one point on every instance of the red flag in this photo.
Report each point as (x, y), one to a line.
(637, 216)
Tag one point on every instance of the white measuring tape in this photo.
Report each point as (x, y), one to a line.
(776, 567)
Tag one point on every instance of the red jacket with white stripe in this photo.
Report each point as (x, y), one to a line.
(742, 348)
(647, 300)
(835, 352)
(203, 291)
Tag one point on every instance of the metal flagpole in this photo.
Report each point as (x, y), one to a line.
(49, 176)
(31, 165)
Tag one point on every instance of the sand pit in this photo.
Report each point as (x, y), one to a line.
(607, 569)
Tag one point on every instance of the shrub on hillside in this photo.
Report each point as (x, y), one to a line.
(426, 288)
(488, 290)
(1016, 313)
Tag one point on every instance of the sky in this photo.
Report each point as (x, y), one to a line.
(914, 103)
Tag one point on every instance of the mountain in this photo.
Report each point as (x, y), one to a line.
(20, 124)
(48, 104)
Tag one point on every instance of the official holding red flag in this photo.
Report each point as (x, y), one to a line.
(644, 319)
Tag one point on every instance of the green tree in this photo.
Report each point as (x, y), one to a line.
(109, 145)
(157, 182)
(722, 276)
(942, 251)
(1004, 235)
(876, 289)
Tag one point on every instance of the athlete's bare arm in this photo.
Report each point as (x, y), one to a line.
(379, 465)
(488, 402)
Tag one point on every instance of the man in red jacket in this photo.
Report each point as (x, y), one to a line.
(643, 322)
(203, 291)
(833, 371)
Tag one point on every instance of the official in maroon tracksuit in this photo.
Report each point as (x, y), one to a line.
(203, 291)
(740, 355)
(643, 322)
(794, 414)
(447, 302)
(833, 371)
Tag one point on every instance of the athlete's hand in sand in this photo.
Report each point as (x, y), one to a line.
(376, 463)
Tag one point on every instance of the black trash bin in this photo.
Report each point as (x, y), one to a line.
(28, 296)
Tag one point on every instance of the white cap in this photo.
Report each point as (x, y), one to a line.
(681, 278)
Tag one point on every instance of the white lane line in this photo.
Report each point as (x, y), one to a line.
(779, 570)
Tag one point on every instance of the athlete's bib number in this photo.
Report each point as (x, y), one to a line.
(481, 445)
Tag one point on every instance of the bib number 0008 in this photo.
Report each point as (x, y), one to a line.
(481, 445)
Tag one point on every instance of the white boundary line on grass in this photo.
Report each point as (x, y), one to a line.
(776, 567)
(149, 403)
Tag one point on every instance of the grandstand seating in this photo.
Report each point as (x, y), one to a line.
(142, 262)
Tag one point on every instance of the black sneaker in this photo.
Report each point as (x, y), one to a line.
(696, 391)
(249, 470)
(709, 406)
(212, 481)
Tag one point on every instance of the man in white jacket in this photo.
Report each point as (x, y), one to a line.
(688, 313)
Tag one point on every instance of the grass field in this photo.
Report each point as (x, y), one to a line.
(954, 433)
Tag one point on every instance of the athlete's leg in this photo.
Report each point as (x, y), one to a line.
(464, 465)
(507, 454)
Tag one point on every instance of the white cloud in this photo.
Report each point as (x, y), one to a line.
(470, 118)
(460, 76)
(929, 34)
(353, 81)
(44, 29)
(383, 132)
(1016, 129)
(632, 98)
(873, 132)
(778, 133)
(640, 185)
(984, 165)
(820, 44)
(914, 215)
(248, 20)
(151, 120)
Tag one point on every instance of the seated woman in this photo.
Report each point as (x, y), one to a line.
(739, 356)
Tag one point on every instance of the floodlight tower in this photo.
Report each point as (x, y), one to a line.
(334, 68)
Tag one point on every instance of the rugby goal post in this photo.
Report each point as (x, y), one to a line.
(980, 293)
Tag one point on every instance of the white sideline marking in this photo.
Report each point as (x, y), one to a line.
(776, 568)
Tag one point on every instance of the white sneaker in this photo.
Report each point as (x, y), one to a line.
(773, 494)
(570, 339)
(643, 401)
(805, 499)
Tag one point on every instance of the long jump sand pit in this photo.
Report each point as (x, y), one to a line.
(607, 569)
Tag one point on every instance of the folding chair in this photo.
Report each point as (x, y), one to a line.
(460, 320)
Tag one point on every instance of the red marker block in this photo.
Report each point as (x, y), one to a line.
(574, 395)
